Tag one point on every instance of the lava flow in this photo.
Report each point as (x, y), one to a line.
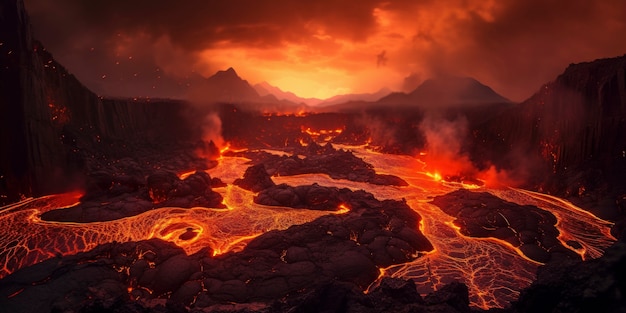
(28, 239)
(494, 270)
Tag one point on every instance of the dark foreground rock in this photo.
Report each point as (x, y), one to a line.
(110, 197)
(312, 197)
(481, 214)
(574, 286)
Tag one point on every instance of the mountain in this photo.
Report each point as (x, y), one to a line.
(368, 97)
(264, 89)
(225, 86)
(446, 91)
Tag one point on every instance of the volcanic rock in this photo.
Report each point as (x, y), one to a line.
(160, 184)
(172, 273)
(338, 164)
(312, 197)
(576, 286)
(161, 189)
(527, 227)
(255, 179)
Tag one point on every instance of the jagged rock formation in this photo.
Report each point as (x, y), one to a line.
(49, 118)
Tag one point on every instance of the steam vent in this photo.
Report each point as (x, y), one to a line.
(137, 176)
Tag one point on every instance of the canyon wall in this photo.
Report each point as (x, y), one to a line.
(49, 118)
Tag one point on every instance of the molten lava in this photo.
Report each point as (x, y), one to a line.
(493, 269)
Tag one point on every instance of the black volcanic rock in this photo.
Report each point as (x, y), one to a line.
(312, 197)
(160, 184)
(568, 138)
(112, 197)
(255, 179)
(481, 214)
(338, 164)
(575, 286)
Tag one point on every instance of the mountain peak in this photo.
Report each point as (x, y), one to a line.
(227, 86)
(227, 74)
(447, 91)
(456, 90)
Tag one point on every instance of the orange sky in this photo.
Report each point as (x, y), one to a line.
(326, 47)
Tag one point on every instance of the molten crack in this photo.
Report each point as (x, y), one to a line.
(494, 270)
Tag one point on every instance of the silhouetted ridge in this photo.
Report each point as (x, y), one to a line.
(227, 86)
(456, 90)
(447, 91)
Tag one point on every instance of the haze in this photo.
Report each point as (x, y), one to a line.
(322, 48)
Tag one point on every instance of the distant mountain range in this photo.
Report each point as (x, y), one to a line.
(265, 89)
(226, 86)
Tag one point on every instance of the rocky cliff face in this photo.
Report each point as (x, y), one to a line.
(49, 118)
(571, 133)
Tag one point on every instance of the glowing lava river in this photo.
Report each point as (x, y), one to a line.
(493, 269)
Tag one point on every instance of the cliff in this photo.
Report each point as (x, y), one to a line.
(51, 121)
(571, 134)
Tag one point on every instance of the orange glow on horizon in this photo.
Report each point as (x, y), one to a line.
(309, 72)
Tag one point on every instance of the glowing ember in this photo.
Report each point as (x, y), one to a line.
(322, 135)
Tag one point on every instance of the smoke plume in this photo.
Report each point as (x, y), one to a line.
(446, 154)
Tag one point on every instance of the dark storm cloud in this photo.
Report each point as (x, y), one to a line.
(513, 46)
(534, 39)
(526, 43)
(197, 24)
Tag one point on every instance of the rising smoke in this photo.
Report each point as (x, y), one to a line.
(447, 153)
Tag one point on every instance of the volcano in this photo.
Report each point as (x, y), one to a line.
(450, 198)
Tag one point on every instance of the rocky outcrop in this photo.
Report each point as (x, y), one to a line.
(51, 122)
(570, 135)
(255, 179)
